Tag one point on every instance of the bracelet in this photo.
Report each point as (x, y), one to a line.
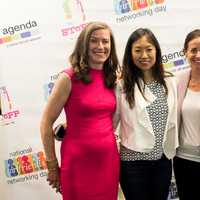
(52, 164)
(53, 169)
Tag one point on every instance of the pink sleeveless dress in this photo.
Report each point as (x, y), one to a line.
(89, 155)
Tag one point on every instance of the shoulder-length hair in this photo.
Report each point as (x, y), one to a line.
(131, 74)
(79, 57)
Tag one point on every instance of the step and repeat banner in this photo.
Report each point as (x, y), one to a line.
(36, 38)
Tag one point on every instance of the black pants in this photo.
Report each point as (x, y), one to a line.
(187, 175)
(146, 180)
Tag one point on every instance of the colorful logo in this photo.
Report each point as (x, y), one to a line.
(24, 164)
(75, 17)
(126, 6)
(8, 112)
(174, 61)
(27, 163)
(16, 33)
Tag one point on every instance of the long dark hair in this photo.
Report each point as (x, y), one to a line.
(131, 74)
(79, 57)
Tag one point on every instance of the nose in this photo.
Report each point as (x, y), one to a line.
(198, 54)
(144, 54)
(100, 44)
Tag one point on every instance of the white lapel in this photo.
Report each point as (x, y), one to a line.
(183, 78)
(171, 101)
(140, 106)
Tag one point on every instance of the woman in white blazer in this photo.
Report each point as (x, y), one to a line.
(147, 110)
(187, 160)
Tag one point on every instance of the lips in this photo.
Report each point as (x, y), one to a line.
(196, 61)
(99, 52)
(144, 61)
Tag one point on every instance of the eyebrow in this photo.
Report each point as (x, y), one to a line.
(137, 46)
(97, 38)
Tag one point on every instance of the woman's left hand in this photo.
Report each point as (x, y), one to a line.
(54, 179)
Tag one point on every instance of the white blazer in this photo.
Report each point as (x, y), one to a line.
(135, 131)
(183, 78)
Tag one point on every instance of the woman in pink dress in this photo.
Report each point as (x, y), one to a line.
(89, 157)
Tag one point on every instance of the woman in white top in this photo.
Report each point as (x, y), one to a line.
(147, 100)
(187, 160)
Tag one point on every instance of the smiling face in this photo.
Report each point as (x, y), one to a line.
(99, 48)
(144, 55)
(192, 53)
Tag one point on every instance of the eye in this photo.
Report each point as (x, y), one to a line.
(93, 40)
(105, 41)
(193, 51)
(137, 50)
(149, 49)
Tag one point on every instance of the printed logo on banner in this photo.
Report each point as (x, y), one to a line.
(8, 112)
(75, 17)
(49, 86)
(174, 61)
(132, 9)
(19, 33)
(25, 165)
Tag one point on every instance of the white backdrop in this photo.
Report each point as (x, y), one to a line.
(36, 38)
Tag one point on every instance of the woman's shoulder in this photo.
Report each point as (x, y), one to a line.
(183, 73)
(119, 87)
(69, 72)
(168, 74)
(170, 79)
(119, 83)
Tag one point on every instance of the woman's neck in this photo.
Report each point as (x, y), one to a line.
(96, 66)
(194, 83)
(148, 77)
(195, 75)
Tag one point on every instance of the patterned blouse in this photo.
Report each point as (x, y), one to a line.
(158, 113)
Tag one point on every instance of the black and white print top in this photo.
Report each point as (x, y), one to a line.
(158, 113)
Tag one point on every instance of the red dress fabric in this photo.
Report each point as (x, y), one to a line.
(89, 155)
